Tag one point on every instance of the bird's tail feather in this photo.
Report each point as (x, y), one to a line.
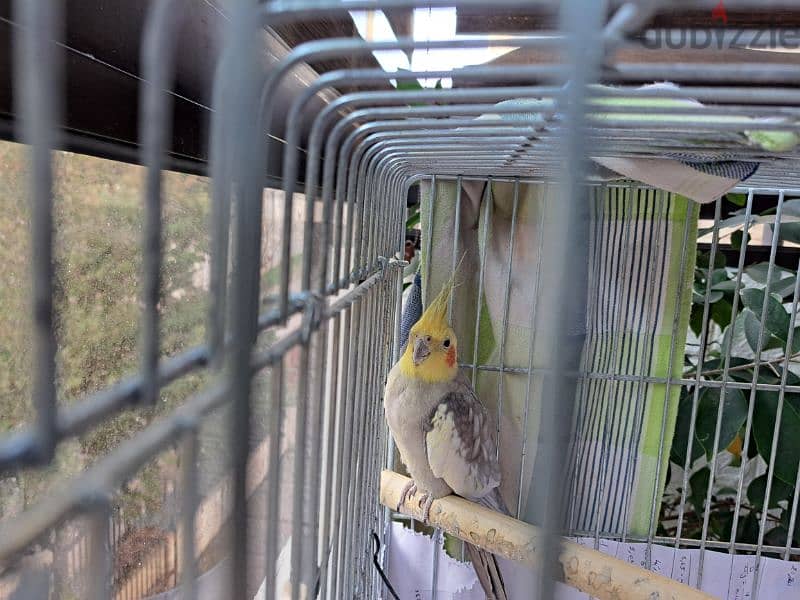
(494, 501)
(485, 563)
(488, 572)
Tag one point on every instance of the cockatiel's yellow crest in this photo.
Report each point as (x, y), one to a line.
(430, 353)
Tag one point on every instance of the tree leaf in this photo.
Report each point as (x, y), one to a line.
(698, 484)
(790, 232)
(719, 275)
(698, 297)
(758, 273)
(785, 516)
(745, 376)
(741, 374)
(774, 343)
(721, 523)
(408, 84)
(696, 318)
(721, 313)
(764, 420)
(680, 441)
(703, 260)
(704, 231)
(734, 414)
(752, 447)
(748, 529)
(766, 375)
(730, 333)
(737, 238)
(757, 488)
(790, 207)
(784, 287)
(737, 199)
(725, 286)
(776, 537)
(777, 320)
(737, 220)
(752, 328)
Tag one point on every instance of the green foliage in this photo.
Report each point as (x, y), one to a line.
(759, 312)
(764, 425)
(413, 218)
(790, 231)
(779, 492)
(413, 85)
(737, 199)
(734, 414)
(680, 442)
(737, 238)
(98, 218)
(698, 483)
(408, 85)
(775, 318)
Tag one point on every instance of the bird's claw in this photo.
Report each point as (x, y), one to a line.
(425, 502)
(408, 491)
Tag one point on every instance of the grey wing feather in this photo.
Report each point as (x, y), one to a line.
(460, 444)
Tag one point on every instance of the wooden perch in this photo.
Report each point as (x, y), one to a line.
(597, 574)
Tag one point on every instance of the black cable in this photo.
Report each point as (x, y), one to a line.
(377, 564)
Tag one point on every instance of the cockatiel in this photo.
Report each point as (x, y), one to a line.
(442, 430)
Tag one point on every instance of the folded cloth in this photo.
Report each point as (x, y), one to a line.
(722, 164)
(412, 310)
(672, 176)
(767, 140)
(700, 176)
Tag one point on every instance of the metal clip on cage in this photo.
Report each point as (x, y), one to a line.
(339, 306)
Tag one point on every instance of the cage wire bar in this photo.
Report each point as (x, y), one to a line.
(364, 151)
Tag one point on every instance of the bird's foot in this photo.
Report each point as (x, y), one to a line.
(408, 491)
(425, 502)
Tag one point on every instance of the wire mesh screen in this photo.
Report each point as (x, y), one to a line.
(636, 348)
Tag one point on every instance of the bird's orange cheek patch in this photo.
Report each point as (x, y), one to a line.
(451, 357)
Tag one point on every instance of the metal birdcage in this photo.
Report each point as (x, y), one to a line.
(656, 331)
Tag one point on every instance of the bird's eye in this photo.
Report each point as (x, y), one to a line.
(446, 343)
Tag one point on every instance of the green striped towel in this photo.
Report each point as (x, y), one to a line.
(642, 258)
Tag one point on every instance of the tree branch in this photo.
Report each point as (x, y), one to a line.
(752, 365)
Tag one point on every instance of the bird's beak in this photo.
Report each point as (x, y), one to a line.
(421, 351)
